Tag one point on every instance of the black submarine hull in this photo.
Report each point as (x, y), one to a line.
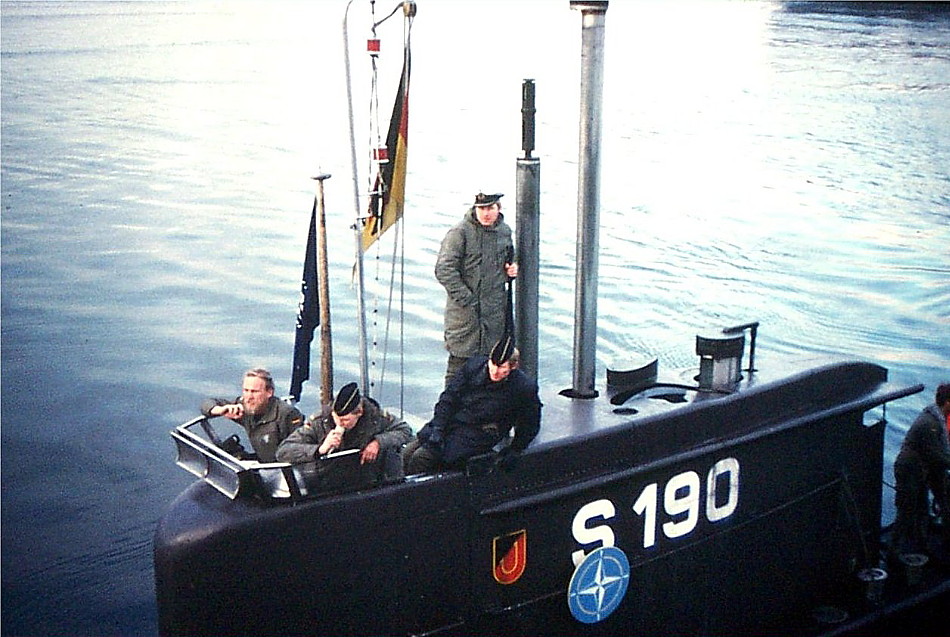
(739, 514)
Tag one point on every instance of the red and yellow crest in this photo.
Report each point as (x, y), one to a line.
(509, 556)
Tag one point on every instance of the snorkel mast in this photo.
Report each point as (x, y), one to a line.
(588, 197)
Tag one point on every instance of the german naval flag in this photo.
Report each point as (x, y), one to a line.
(389, 192)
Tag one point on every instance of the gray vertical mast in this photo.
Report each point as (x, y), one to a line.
(357, 234)
(528, 216)
(588, 195)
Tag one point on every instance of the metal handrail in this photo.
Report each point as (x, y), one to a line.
(229, 475)
(201, 456)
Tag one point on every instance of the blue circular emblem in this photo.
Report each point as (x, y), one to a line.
(599, 584)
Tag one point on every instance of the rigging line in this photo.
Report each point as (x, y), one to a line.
(402, 317)
(391, 14)
(399, 235)
(398, 256)
(398, 240)
(373, 144)
(399, 248)
(374, 141)
(406, 51)
(406, 31)
(379, 372)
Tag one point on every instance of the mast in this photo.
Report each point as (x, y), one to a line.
(528, 212)
(588, 196)
(357, 234)
(323, 287)
(366, 229)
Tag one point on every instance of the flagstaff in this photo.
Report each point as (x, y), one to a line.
(323, 285)
(387, 197)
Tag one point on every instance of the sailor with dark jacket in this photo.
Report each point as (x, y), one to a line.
(474, 265)
(354, 422)
(922, 464)
(484, 401)
(266, 418)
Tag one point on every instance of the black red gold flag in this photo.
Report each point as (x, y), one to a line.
(387, 203)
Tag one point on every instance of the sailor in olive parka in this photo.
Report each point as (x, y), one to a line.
(266, 418)
(475, 264)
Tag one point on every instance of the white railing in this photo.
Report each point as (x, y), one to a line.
(201, 456)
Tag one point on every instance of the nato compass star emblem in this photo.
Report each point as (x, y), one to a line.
(598, 585)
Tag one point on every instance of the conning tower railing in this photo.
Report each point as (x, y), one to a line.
(233, 477)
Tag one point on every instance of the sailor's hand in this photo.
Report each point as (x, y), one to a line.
(511, 269)
(370, 452)
(333, 441)
(233, 411)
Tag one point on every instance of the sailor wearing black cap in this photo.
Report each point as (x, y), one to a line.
(352, 422)
(475, 264)
(484, 401)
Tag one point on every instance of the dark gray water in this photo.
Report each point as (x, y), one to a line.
(760, 162)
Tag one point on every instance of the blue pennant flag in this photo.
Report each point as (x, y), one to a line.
(308, 311)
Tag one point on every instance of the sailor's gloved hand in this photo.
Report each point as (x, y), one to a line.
(232, 445)
(507, 459)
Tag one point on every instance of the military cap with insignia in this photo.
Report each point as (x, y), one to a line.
(481, 199)
(347, 399)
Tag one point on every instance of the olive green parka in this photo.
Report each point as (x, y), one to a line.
(471, 268)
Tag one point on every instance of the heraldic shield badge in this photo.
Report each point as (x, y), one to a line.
(509, 556)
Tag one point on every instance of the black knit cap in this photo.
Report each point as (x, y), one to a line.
(481, 199)
(347, 399)
(503, 349)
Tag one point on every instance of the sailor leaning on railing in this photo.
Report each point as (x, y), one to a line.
(266, 419)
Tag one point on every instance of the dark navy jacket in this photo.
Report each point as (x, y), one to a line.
(472, 403)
